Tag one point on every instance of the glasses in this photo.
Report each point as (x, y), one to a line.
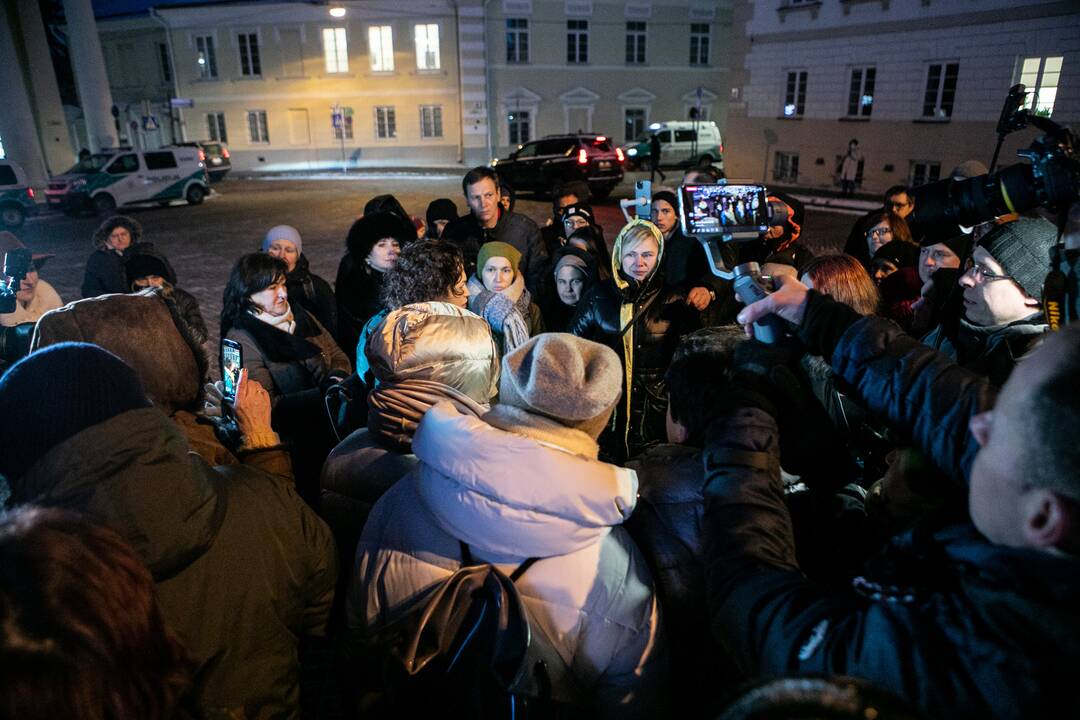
(878, 232)
(981, 272)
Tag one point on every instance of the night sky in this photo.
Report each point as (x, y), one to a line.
(108, 8)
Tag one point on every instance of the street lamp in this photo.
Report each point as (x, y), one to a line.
(337, 11)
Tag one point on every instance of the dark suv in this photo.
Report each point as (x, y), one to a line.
(215, 155)
(542, 164)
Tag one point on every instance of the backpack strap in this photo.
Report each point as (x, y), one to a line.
(467, 560)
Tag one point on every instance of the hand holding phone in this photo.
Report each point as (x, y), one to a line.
(232, 362)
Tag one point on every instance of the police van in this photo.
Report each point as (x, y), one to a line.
(682, 143)
(123, 176)
(16, 195)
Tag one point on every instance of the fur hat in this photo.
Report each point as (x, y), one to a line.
(1022, 248)
(564, 378)
(283, 232)
(105, 230)
(55, 393)
(372, 228)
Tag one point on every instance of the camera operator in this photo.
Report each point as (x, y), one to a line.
(966, 622)
(1001, 319)
(34, 297)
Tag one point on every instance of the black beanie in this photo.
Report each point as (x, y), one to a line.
(55, 393)
(668, 197)
(142, 265)
(1022, 248)
(899, 253)
(441, 209)
(579, 209)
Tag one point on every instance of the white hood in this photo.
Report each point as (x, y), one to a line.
(507, 494)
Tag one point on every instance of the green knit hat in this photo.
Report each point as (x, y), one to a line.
(498, 249)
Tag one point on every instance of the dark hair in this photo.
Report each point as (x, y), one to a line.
(699, 376)
(577, 188)
(845, 278)
(896, 190)
(506, 190)
(105, 230)
(900, 228)
(703, 173)
(1051, 459)
(476, 175)
(84, 637)
(426, 271)
(252, 273)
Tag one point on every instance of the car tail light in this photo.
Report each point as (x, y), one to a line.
(619, 154)
(224, 152)
(202, 156)
(30, 192)
(721, 148)
(582, 157)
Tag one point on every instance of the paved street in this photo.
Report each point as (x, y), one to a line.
(202, 242)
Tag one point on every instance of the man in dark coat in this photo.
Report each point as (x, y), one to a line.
(241, 566)
(488, 221)
(966, 622)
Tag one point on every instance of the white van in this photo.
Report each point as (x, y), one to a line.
(16, 195)
(113, 178)
(682, 143)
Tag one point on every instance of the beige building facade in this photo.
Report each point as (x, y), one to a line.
(920, 85)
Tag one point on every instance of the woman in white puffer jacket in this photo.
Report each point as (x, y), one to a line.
(524, 481)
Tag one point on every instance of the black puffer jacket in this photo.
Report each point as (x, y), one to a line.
(961, 627)
(662, 318)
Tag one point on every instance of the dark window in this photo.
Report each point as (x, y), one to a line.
(635, 42)
(699, 44)
(685, 135)
(517, 40)
(557, 147)
(124, 164)
(7, 175)
(861, 92)
(940, 90)
(795, 96)
(528, 150)
(577, 41)
(159, 160)
(923, 172)
(635, 123)
(249, 54)
(786, 167)
(518, 123)
(664, 135)
(166, 66)
(215, 124)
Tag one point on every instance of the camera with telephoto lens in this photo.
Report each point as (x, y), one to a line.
(14, 341)
(1050, 179)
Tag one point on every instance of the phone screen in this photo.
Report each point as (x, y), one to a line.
(232, 360)
(723, 209)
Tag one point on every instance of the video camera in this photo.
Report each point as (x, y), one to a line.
(14, 341)
(1051, 180)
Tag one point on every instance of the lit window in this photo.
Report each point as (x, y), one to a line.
(427, 47)
(1040, 76)
(205, 57)
(518, 123)
(381, 48)
(335, 50)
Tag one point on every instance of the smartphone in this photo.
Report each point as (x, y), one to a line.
(643, 199)
(232, 361)
(729, 210)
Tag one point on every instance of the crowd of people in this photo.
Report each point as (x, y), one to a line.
(891, 492)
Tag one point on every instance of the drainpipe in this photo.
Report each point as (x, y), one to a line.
(173, 112)
(488, 89)
(461, 86)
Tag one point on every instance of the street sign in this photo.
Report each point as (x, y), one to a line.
(337, 120)
(149, 123)
(182, 102)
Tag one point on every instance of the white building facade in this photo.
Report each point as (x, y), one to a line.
(919, 83)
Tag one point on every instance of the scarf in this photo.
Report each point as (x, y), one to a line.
(285, 323)
(505, 311)
(395, 408)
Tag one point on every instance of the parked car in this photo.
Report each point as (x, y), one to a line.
(216, 157)
(123, 176)
(682, 143)
(542, 164)
(16, 195)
